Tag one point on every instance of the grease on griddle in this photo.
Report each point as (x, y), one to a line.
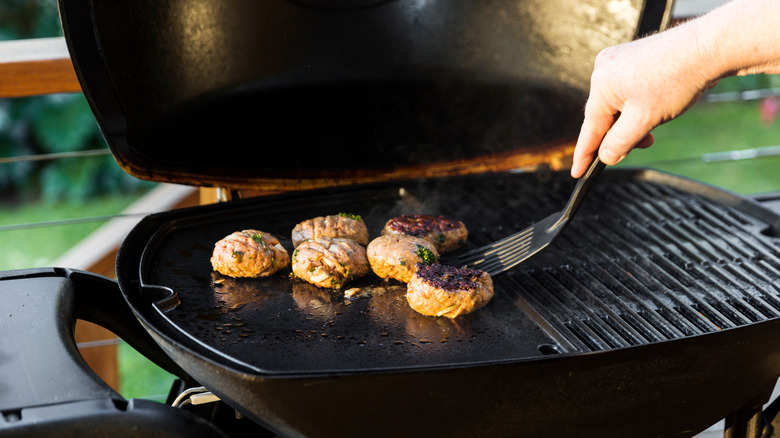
(322, 313)
(315, 301)
(231, 294)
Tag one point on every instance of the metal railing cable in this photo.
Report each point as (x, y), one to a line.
(72, 221)
(55, 156)
(720, 157)
(69, 221)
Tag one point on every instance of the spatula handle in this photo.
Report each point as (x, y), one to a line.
(580, 190)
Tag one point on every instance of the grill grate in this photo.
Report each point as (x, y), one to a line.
(647, 263)
(649, 258)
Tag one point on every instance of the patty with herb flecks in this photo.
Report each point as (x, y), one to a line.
(249, 253)
(441, 290)
(396, 255)
(343, 225)
(329, 262)
(446, 234)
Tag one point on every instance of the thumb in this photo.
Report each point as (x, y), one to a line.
(627, 131)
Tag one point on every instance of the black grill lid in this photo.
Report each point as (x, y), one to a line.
(279, 90)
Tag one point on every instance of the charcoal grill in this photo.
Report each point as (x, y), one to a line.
(653, 314)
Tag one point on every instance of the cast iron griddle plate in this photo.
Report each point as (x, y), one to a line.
(548, 305)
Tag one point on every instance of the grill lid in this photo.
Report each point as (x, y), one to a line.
(282, 93)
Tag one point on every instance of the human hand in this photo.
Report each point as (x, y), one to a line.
(634, 88)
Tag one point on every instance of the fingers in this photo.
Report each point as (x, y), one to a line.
(587, 145)
(598, 121)
(612, 136)
(646, 142)
(629, 131)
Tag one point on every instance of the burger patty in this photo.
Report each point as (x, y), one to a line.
(337, 225)
(249, 253)
(446, 234)
(329, 262)
(397, 255)
(440, 290)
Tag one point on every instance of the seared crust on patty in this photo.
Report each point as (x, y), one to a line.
(446, 234)
(249, 253)
(329, 262)
(337, 225)
(396, 255)
(440, 290)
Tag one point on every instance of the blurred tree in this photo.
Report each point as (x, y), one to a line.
(29, 19)
(51, 124)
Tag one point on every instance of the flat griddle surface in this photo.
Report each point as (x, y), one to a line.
(282, 325)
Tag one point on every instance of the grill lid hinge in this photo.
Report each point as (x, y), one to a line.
(225, 194)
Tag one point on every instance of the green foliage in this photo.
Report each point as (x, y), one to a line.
(51, 124)
(55, 124)
(63, 123)
(29, 19)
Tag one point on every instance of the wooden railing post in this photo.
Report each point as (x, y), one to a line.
(36, 66)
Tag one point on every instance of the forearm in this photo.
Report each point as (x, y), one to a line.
(740, 38)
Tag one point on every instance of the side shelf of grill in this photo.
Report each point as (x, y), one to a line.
(48, 390)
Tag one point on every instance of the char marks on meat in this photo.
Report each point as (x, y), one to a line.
(396, 255)
(446, 234)
(440, 290)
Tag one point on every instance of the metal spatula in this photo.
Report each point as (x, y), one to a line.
(510, 251)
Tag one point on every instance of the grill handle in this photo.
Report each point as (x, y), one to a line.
(95, 299)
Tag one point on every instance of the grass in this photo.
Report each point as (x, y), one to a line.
(41, 245)
(140, 378)
(709, 128)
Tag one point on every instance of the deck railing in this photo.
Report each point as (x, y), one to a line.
(43, 66)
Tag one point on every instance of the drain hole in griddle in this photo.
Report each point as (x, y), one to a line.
(12, 416)
(772, 231)
(550, 349)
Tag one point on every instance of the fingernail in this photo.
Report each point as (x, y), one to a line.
(610, 159)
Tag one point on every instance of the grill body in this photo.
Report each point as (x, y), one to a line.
(659, 287)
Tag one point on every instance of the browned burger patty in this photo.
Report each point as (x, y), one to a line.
(249, 253)
(338, 225)
(329, 262)
(440, 290)
(445, 233)
(396, 255)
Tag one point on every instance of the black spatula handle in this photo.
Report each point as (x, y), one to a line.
(581, 189)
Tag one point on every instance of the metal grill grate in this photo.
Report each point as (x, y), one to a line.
(647, 263)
